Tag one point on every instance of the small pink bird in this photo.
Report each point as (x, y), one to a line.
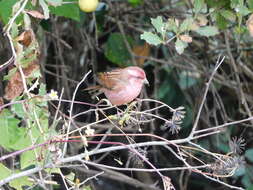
(121, 86)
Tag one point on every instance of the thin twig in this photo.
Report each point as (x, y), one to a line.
(224, 125)
(71, 109)
(204, 97)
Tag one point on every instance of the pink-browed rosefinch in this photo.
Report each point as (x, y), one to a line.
(121, 86)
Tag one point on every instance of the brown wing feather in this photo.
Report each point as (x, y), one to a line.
(109, 80)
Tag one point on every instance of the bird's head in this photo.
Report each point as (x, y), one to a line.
(136, 74)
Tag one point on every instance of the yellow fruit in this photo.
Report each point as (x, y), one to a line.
(88, 5)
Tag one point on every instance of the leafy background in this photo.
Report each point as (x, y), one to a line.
(176, 42)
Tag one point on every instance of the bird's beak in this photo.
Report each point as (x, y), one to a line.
(146, 81)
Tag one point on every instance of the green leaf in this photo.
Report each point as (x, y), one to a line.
(87, 188)
(180, 46)
(234, 3)
(35, 74)
(70, 10)
(228, 14)
(198, 5)
(250, 187)
(18, 110)
(43, 115)
(243, 10)
(207, 31)
(21, 182)
(54, 2)
(10, 73)
(25, 61)
(12, 136)
(45, 8)
(42, 90)
(171, 25)
(221, 21)
(249, 154)
(4, 171)
(116, 50)
(151, 38)
(6, 9)
(246, 181)
(217, 4)
(135, 2)
(239, 172)
(39, 112)
(186, 80)
(158, 24)
(28, 158)
(250, 4)
(14, 30)
(16, 183)
(186, 24)
(8, 128)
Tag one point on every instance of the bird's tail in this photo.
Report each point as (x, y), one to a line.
(94, 91)
(92, 88)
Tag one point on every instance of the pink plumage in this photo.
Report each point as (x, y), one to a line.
(122, 86)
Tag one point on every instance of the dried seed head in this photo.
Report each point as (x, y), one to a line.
(176, 120)
(227, 166)
(237, 145)
(179, 114)
(173, 126)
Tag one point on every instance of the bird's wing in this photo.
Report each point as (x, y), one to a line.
(110, 80)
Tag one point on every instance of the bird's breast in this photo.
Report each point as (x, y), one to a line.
(123, 95)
